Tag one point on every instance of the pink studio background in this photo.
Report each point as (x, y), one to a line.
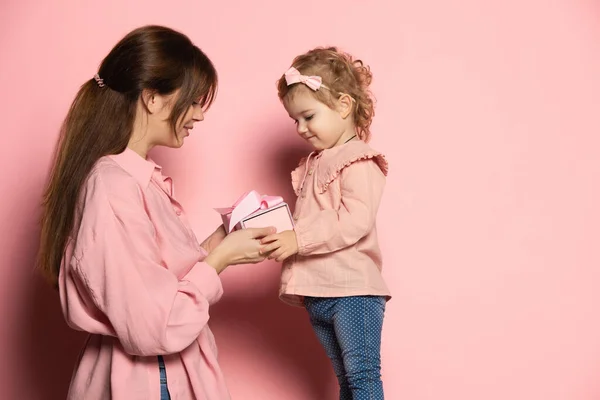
(488, 114)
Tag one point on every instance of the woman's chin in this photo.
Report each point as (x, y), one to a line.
(178, 142)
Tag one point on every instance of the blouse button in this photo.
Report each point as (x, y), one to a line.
(178, 213)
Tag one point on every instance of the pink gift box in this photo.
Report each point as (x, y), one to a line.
(255, 211)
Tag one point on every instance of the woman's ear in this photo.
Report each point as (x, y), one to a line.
(149, 100)
(344, 105)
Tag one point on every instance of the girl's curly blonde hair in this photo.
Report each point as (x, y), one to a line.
(340, 73)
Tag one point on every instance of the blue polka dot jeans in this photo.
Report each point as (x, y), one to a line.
(349, 328)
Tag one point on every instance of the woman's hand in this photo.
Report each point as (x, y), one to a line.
(239, 247)
(280, 245)
(215, 238)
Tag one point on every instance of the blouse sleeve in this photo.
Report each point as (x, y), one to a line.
(117, 261)
(326, 231)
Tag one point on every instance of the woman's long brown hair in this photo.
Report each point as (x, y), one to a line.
(100, 120)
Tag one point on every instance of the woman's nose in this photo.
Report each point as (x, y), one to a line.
(198, 114)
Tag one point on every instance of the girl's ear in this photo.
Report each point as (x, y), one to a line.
(344, 105)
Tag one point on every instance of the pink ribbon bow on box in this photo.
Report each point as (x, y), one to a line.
(246, 205)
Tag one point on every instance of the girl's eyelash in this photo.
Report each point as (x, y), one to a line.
(308, 118)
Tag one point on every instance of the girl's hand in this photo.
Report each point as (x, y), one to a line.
(215, 238)
(280, 245)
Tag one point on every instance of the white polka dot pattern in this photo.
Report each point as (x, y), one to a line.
(349, 328)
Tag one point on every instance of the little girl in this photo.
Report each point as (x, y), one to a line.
(332, 258)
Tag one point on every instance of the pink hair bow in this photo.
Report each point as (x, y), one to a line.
(293, 76)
